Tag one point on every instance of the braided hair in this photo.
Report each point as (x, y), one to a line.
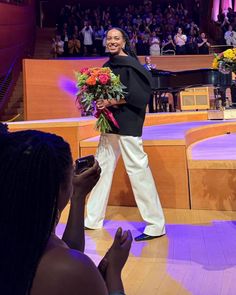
(33, 165)
(128, 48)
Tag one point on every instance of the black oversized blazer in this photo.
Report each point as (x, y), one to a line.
(137, 79)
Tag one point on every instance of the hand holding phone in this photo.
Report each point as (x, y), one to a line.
(86, 177)
(84, 163)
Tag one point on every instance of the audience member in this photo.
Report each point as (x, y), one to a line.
(168, 44)
(148, 63)
(154, 45)
(74, 46)
(230, 36)
(57, 47)
(65, 39)
(87, 32)
(149, 66)
(226, 22)
(180, 40)
(191, 45)
(37, 180)
(203, 44)
(98, 39)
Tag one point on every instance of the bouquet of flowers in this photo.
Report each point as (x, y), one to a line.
(225, 62)
(94, 84)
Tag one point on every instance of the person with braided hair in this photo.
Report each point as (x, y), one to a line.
(37, 180)
(126, 140)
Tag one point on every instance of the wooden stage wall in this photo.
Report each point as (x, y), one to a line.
(167, 158)
(182, 181)
(181, 62)
(49, 85)
(212, 181)
(73, 131)
(169, 169)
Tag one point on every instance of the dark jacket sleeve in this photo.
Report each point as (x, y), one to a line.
(136, 79)
(138, 88)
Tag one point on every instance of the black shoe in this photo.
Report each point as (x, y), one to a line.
(87, 228)
(144, 237)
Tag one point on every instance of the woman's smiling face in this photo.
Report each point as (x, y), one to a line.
(115, 42)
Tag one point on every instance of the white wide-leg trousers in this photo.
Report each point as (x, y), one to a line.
(142, 182)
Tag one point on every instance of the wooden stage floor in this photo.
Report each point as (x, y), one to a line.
(197, 256)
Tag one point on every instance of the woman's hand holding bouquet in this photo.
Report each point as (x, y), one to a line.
(99, 88)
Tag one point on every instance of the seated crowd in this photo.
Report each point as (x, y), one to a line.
(226, 21)
(152, 29)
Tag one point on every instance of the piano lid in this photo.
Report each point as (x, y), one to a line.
(176, 81)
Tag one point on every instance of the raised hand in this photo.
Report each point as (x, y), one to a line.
(84, 182)
(117, 255)
(113, 262)
(82, 185)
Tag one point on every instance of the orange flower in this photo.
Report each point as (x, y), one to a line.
(95, 72)
(106, 70)
(91, 81)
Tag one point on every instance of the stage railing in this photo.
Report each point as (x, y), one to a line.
(219, 48)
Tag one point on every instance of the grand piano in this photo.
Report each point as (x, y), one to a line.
(174, 82)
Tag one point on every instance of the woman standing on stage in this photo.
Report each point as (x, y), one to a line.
(130, 114)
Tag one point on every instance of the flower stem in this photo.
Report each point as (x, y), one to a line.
(102, 124)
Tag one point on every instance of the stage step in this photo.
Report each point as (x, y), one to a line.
(222, 114)
(215, 152)
(166, 148)
(212, 173)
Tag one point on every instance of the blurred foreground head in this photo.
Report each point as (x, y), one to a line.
(34, 166)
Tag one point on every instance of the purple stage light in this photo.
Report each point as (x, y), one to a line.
(68, 86)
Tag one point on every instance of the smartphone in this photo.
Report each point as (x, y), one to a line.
(84, 163)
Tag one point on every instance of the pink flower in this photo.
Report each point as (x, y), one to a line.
(104, 79)
(85, 71)
(84, 88)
